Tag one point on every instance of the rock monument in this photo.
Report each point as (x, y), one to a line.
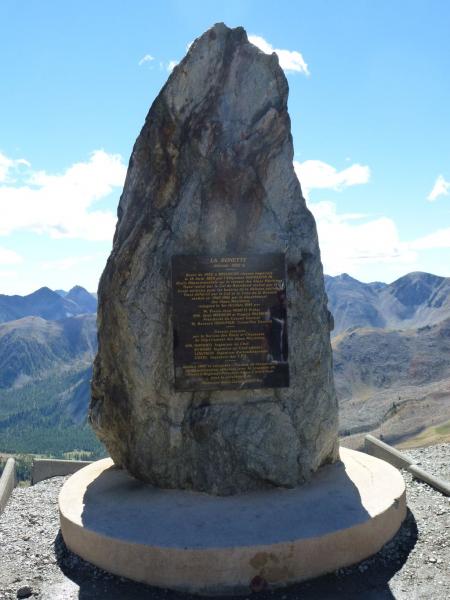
(211, 178)
(214, 366)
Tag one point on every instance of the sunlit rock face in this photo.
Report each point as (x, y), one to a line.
(211, 173)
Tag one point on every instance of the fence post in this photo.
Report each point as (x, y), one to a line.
(8, 482)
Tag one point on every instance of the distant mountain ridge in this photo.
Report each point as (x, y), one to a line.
(47, 304)
(32, 347)
(415, 300)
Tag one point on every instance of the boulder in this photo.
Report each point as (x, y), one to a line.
(211, 173)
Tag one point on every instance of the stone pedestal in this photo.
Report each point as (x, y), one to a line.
(202, 543)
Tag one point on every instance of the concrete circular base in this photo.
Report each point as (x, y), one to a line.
(199, 543)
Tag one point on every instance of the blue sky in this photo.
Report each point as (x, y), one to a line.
(369, 97)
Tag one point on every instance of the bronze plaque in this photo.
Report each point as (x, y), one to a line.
(229, 318)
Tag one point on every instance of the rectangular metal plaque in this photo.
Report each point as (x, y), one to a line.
(229, 316)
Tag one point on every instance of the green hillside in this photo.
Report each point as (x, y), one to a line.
(48, 416)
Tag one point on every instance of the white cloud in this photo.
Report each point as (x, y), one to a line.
(348, 243)
(64, 264)
(8, 165)
(441, 188)
(359, 245)
(171, 66)
(290, 60)
(9, 257)
(437, 239)
(315, 174)
(7, 275)
(145, 59)
(61, 205)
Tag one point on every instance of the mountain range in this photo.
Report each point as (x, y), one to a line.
(47, 304)
(391, 348)
(415, 300)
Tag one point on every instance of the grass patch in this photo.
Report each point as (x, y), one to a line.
(443, 429)
(436, 434)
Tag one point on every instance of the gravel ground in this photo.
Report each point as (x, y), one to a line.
(415, 565)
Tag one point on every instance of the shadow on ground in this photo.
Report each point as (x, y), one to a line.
(368, 580)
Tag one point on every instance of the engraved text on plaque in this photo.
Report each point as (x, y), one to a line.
(230, 329)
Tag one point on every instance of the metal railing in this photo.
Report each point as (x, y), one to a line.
(382, 450)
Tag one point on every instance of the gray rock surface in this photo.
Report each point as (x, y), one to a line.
(211, 173)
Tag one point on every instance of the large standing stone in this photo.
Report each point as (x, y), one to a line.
(211, 173)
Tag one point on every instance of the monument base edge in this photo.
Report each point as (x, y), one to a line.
(211, 569)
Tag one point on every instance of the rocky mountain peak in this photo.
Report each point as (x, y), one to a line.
(415, 288)
(43, 292)
(414, 300)
(82, 298)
